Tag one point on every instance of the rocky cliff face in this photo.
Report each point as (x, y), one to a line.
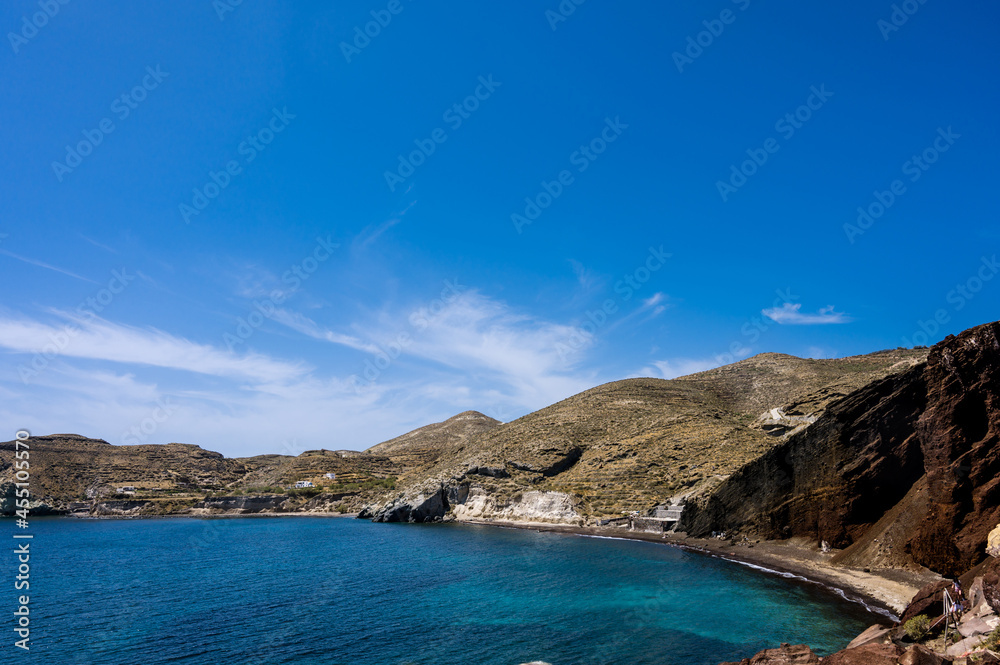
(467, 503)
(905, 471)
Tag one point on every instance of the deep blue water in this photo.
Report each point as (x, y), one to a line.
(343, 591)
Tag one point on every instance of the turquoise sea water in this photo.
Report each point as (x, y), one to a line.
(344, 591)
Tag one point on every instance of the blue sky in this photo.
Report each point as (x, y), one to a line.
(253, 227)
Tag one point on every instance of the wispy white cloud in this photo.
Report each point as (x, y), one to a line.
(97, 244)
(47, 266)
(310, 328)
(791, 314)
(98, 339)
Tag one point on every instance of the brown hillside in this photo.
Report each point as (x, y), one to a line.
(635, 443)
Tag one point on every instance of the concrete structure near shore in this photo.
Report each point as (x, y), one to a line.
(663, 519)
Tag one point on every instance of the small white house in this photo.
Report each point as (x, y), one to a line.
(302, 484)
(127, 489)
(330, 476)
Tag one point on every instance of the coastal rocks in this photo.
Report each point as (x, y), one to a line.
(982, 590)
(959, 649)
(420, 508)
(869, 654)
(8, 502)
(873, 635)
(959, 434)
(973, 625)
(926, 601)
(466, 503)
(918, 655)
(993, 543)
(542, 507)
(428, 504)
(786, 654)
(121, 508)
(243, 504)
(991, 590)
(533, 506)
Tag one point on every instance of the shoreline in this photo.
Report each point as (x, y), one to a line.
(885, 593)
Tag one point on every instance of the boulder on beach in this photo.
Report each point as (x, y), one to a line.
(926, 601)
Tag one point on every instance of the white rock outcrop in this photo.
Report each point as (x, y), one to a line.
(533, 506)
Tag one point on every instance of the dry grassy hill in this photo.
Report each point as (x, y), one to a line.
(421, 448)
(629, 445)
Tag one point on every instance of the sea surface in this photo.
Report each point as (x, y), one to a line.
(343, 591)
